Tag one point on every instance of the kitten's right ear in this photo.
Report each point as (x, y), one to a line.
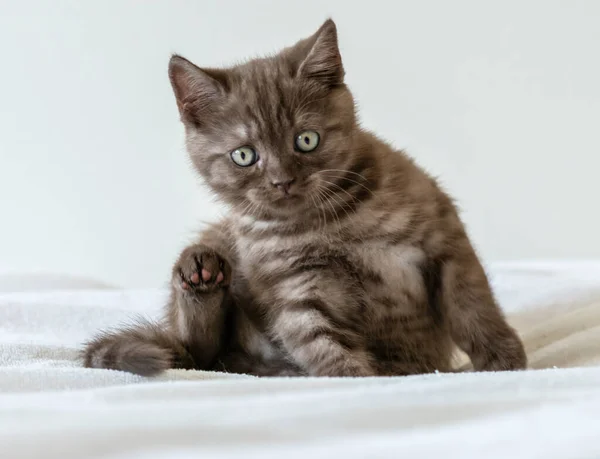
(319, 55)
(197, 91)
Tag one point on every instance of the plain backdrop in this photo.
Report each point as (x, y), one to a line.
(501, 100)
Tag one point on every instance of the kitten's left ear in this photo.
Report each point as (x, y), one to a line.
(322, 60)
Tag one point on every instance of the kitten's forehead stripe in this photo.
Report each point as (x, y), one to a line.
(266, 104)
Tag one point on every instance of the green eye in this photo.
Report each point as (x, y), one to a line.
(244, 156)
(307, 141)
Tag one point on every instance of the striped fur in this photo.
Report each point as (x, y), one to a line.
(360, 267)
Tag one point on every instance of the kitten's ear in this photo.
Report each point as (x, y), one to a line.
(322, 60)
(197, 91)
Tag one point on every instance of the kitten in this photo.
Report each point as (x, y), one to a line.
(339, 257)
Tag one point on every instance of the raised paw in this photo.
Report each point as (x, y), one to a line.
(201, 270)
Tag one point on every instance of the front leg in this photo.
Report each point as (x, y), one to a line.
(476, 323)
(199, 302)
(317, 342)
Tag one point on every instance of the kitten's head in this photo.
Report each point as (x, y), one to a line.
(265, 134)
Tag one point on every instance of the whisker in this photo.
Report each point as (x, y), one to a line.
(353, 181)
(333, 212)
(320, 209)
(346, 172)
(318, 213)
(354, 198)
(343, 204)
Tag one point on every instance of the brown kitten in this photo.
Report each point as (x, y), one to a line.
(339, 257)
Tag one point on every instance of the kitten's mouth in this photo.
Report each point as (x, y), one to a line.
(287, 201)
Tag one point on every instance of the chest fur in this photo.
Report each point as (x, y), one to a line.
(399, 267)
(380, 269)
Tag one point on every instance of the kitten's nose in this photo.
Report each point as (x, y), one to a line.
(284, 185)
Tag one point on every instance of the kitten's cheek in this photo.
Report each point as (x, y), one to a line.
(251, 196)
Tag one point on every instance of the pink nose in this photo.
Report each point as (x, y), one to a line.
(284, 186)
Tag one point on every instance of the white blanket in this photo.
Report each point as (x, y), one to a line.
(51, 407)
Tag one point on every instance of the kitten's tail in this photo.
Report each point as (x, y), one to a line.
(145, 349)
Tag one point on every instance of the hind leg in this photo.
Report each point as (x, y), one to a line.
(192, 332)
(477, 324)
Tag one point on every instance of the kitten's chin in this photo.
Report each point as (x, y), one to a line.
(288, 205)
